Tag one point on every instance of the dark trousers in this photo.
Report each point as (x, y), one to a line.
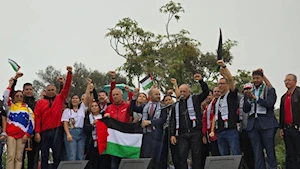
(32, 156)
(164, 152)
(97, 161)
(175, 155)
(1, 152)
(247, 149)
(53, 139)
(213, 148)
(263, 139)
(190, 141)
(151, 148)
(115, 162)
(204, 153)
(292, 146)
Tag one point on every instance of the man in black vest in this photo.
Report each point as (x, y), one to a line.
(186, 122)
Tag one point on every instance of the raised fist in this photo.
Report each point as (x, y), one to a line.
(173, 81)
(127, 89)
(197, 77)
(89, 81)
(112, 73)
(69, 68)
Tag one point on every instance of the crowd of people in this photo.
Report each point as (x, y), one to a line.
(218, 122)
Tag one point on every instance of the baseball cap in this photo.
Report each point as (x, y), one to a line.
(248, 86)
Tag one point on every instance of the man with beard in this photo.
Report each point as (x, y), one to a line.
(262, 124)
(153, 121)
(102, 98)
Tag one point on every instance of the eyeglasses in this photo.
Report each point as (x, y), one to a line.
(216, 91)
(288, 80)
(221, 83)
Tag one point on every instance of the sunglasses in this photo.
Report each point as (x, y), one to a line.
(19, 96)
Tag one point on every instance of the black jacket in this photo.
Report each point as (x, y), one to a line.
(295, 101)
(185, 124)
(87, 129)
(30, 101)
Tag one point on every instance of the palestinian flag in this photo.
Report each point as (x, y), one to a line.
(119, 139)
(14, 65)
(147, 82)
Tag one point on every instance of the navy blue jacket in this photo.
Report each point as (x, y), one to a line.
(266, 121)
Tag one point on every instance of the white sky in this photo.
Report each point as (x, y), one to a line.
(38, 33)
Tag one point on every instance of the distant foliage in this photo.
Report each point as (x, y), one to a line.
(80, 74)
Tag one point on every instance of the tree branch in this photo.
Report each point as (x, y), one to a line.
(116, 48)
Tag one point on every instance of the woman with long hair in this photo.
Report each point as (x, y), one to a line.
(96, 161)
(73, 121)
(19, 126)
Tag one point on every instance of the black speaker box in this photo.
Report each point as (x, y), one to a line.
(225, 162)
(142, 163)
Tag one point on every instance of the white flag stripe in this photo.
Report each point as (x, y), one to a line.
(126, 139)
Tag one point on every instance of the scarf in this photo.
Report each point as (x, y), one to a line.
(156, 113)
(92, 119)
(102, 108)
(223, 108)
(256, 108)
(210, 109)
(190, 109)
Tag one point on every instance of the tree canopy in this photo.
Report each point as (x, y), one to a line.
(171, 55)
(80, 74)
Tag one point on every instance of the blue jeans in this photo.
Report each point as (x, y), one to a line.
(75, 148)
(229, 140)
(51, 139)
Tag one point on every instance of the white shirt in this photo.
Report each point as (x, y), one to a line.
(78, 116)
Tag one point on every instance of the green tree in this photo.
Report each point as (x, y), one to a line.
(242, 77)
(80, 74)
(279, 146)
(164, 56)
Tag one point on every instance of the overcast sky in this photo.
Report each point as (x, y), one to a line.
(38, 33)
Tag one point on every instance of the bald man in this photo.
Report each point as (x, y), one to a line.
(186, 123)
(48, 126)
(119, 110)
(153, 120)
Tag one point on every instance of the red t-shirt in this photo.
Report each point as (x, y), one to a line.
(288, 109)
